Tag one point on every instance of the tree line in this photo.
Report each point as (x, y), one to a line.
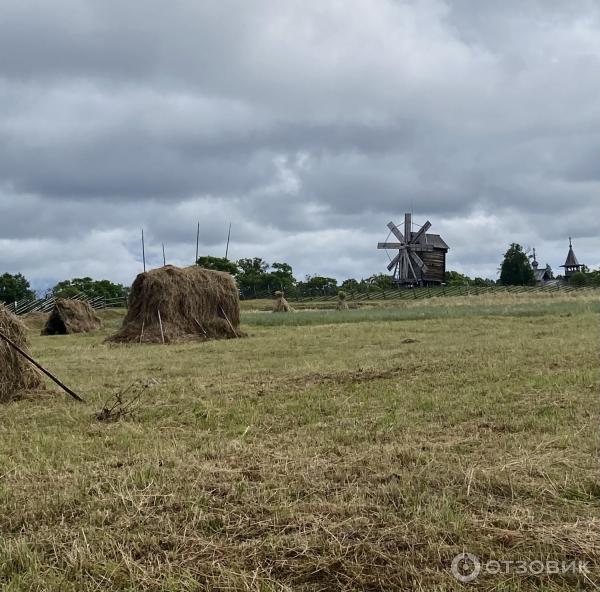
(256, 277)
(17, 287)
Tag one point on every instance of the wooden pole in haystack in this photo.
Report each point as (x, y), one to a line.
(143, 251)
(228, 237)
(164, 258)
(228, 321)
(197, 242)
(162, 335)
(40, 367)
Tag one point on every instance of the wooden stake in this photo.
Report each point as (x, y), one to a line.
(201, 327)
(197, 241)
(164, 258)
(228, 321)
(143, 251)
(40, 367)
(228, 237)
(162, 335)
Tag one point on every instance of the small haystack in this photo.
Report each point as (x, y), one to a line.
(71, 316)
(280, 304)
(341, 301)
(17, 375)
(176, 304)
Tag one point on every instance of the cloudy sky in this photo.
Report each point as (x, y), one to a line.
(308, 125)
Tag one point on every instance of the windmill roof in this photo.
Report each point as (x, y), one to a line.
(571, 259)
(433, 239)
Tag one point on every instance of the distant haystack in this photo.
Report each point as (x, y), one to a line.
(341, 301)
(17, 375)
(280, 304)
(176, 304)
(71, 316)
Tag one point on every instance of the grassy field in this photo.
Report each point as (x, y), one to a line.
(359, 450)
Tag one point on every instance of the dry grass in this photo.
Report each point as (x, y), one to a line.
(320, 456)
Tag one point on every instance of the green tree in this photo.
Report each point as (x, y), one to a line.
(454, 278)
(350, 285)
(89, 287)
(218, 264)
(516, 269)
(317, 285)
(594, 278)
(578, 279)
(14, 287)
(381, 281)
(254, 266)
(252, 277)
(282, 277)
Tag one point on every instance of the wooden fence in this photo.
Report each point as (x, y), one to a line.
(22, 307)
(375, 293)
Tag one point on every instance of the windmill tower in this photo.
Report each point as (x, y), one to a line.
(421, 257)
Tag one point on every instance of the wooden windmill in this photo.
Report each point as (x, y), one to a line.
(421, 258)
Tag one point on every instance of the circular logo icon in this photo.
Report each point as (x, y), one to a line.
(466, 567)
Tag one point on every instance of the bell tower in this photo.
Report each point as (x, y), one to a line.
(571, 265)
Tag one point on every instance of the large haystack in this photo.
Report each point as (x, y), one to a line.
(280, 304)
(71, 316)
(193, 302)
(17, 375)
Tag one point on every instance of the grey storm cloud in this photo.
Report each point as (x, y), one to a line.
(306, 125)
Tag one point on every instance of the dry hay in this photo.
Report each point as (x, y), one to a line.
(36, 320)
(341, 303)
(17, 375)
(71, 316)
(280, 304)
(194, 304)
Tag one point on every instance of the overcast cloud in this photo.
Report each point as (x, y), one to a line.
(308, 125)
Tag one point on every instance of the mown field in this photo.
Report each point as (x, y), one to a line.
(359, 450)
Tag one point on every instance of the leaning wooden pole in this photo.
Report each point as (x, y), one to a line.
(228, 321)
(40, 367)
(228, 237)
(162, 335)
(143, 251)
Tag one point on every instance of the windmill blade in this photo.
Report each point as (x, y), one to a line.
(408, 226)
(412, 269)
(420, 263)
(400, 266)
(421, 232)
(395, 231)
(403, 266)
(394, 262)
(394, 246)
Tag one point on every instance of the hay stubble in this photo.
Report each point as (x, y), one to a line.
(287, 462)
